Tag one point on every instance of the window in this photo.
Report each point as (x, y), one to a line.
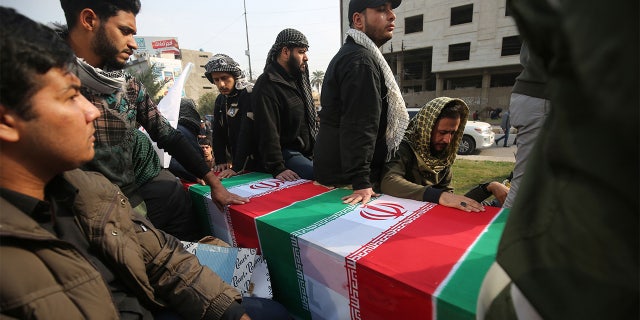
(463, 83)
(203, 56)
(459, 51)
(507, 11)
(413, 24)
(462, 14)
(207, 87)
(413, 70)
(511, 46)
(503, 79)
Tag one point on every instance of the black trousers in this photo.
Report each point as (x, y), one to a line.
(169, 207)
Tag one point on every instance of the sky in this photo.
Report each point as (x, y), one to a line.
(218, 26)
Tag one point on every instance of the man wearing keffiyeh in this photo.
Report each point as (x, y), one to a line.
(421, 169)
(363, 114)
(285, 115)
(232, 118)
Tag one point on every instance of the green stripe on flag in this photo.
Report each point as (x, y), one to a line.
(274, 232)
(244, 179)
(199, 194)
(231, 182)
(464, 284)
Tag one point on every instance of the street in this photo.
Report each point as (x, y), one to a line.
(495, 152)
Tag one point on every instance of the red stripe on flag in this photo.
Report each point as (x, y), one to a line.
(415, 261)
(243, 216)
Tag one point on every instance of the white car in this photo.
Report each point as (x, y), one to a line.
(477, 135)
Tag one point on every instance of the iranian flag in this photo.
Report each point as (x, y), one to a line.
(391, 259)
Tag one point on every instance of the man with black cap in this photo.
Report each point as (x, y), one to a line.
(363, 116)
(232, 117)
(285, 116)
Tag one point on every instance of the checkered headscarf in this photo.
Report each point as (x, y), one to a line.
(292, 37)
(287, 37)
(223, 63)
(418, 133)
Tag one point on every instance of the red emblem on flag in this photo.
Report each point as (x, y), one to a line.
(383, 211)
(267, 184)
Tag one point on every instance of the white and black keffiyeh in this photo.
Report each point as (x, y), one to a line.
(286, 38)
(292, 37)
(103, 82)
(397, 115)
(223, 63)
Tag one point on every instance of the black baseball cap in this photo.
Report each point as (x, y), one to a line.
(359, 5)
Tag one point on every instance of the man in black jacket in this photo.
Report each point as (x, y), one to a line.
(232, 117)
(285, 116)
(363, 116)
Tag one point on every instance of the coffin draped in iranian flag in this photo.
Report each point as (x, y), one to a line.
(393, 259)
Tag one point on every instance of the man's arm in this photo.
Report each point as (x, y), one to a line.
(394, 181)
(172, 141)
(362, 106)
(177, 277)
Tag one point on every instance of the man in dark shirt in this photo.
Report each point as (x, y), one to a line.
(232, 125)
(285, 116)
(363, 115)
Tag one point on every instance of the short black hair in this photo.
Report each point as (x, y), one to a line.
(28, 50)
(204, 141)
(105, 9)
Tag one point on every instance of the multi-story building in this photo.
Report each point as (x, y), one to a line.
(170, 60)
(197, 84)
(456, 48)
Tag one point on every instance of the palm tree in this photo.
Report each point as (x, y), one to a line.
(316, 79)
(207, 102)
(150, 82)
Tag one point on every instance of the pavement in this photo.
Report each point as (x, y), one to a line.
(495, 152)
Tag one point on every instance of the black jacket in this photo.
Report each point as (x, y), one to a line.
(279, 113)
(233, 131)
(350, 146)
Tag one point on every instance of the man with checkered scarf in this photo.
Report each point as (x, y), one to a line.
(363, 113)
(232, 118)
(285, 115)
(421, 168)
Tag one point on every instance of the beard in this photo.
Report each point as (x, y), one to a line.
(378, 37)
(103, 47)
(294, 67)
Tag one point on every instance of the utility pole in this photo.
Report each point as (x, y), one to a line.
(246, 28)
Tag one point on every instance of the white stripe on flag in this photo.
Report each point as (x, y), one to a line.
(347, 235)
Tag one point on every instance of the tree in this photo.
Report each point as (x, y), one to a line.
(316, 79)
(149, 80)
(206, 103)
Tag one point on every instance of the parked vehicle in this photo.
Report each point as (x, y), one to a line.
(477, 135)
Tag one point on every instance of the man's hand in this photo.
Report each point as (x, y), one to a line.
(287, 175)
(220, 196)
(498, 190)
(360, 195)
(221, 167)
(245, 317)
(449, 199)
(227, 173)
